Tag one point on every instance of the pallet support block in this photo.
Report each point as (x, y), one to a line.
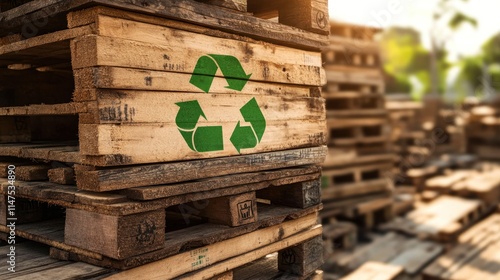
(302, 259)
(62, 175)
(117, 237)
(234, 210)
(301, 195)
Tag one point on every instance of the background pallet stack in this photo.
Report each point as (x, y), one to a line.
(356, 187)
(169, 140)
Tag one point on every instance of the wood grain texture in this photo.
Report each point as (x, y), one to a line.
(165, 49)
(126, 177)
(180, 241)
(204, 256)
(87, 79)
(302, 259)
(62, 175)
(117, 237)
(115, 204)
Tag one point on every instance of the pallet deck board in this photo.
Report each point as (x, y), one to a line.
(190, 11)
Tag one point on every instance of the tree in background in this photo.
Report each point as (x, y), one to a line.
(447, 19)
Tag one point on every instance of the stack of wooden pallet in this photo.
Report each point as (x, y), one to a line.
(193, 132)
(355, 185)
(406, 123)
(483, 129)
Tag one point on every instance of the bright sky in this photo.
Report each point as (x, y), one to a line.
(417, 14)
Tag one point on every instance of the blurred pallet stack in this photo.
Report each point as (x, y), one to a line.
(355, 182)
(182, 135)
(483, 129)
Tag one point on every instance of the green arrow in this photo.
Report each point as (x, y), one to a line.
(208, 139)
(243, 137)
(252, 114)
(204, 73)
(189, 114)
(232, 70)
(188, 137)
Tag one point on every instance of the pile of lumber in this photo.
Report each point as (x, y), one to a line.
(166, 139)
(483, 129)
(355, 186)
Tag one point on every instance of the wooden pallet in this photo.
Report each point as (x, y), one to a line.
(410, 255)
(367, 212)
(354, 75)
(354, 104)
(110, 117)
(404, 198)
(345, 55)
(474, 257)
(484, 186)
(352, 31)
(306, 20)
(443, 219)
(348, 132)
(341, 183)
(338, 235)
(339, 87)
(351, 155)
(303, 242)
(179, 219)
(33, 261)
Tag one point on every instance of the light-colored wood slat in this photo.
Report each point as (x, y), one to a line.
(137, 79)
(375, 271)
(164, 142)
(38, 110)
(46, 39)
(202, 257)
(68, 271)
(119, 106)
(140, 45)
(341, 123)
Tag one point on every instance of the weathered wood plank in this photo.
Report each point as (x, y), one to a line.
(202, 257)
(117, 237)
(138, 79)
(122, 178)
(62, 175)
(296, 67)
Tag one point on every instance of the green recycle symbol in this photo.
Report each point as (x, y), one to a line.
(210, 138)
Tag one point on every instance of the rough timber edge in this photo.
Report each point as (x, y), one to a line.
(188, 11)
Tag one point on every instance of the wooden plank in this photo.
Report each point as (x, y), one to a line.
(158, 191)
(239, 5)
(122, 178)
(117, 237)
(202, 257)
(355, 189)
(139, 79)
(376, 271)
(129, 107)
(68, 271)
(302, 68)
(47, 39)
(38, 110)
(47, 151)
(195, 12)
